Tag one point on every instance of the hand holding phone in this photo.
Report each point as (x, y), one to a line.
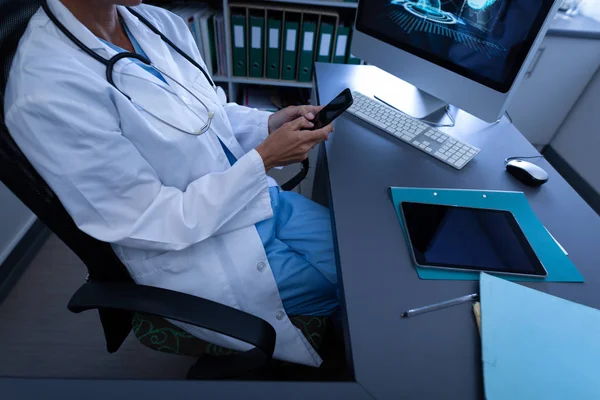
(291, 143)
(333, 110)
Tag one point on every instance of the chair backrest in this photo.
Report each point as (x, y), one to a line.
(23, 180)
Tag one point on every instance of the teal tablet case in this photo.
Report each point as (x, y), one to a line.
(559, 266)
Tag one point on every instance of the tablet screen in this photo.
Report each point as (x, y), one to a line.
(469, 239)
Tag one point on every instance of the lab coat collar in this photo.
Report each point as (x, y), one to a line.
(155, 48)
(152, 44)
(79, 30)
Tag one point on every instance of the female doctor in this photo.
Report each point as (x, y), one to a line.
(149, 158)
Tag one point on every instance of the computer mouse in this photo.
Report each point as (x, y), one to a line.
(528, 173)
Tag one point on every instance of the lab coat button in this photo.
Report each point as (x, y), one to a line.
(260, 266)
(280, 315)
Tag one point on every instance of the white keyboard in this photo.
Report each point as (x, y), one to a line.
(412, 131)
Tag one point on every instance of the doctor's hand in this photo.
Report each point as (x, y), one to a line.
(289, 114)
(291, 143)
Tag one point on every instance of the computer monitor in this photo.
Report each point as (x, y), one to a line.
(469, 53)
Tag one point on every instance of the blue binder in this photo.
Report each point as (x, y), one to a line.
(537, 346)
(559, 266)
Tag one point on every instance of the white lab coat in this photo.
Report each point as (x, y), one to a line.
(178, 216)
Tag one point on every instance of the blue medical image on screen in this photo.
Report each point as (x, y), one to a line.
(486, 37)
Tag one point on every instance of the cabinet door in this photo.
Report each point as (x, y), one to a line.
(578, 139)
(555, 80)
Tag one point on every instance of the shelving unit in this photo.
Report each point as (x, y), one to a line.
(220, 79)
(305, 188)
(269, 82)
(324, 3)
(233, 83)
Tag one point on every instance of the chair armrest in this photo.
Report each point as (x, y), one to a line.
(180, 307)
(295, 181)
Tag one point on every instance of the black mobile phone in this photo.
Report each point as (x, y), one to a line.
(333, 110)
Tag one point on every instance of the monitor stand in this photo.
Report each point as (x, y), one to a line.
(410, 100)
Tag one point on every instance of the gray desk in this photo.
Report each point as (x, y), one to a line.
(580, 26)
(435, 355)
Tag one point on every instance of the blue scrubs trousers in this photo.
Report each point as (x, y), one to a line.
(299, 246)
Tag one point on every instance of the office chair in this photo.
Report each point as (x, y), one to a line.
(122, 305)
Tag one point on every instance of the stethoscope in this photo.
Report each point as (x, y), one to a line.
(110, 64)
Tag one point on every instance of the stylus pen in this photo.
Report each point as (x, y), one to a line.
(438, 306)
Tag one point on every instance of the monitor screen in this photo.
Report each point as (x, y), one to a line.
(484, 40)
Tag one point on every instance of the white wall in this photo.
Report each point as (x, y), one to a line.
(578, 140)
(15, 220)
(591, 8)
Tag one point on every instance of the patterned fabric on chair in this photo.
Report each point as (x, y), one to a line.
(159, 334)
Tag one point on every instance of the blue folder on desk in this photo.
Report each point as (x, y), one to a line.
(559, 266)
(537, 346)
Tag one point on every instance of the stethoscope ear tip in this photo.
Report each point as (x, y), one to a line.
(211, 114)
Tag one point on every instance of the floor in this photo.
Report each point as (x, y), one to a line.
(39, 337)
